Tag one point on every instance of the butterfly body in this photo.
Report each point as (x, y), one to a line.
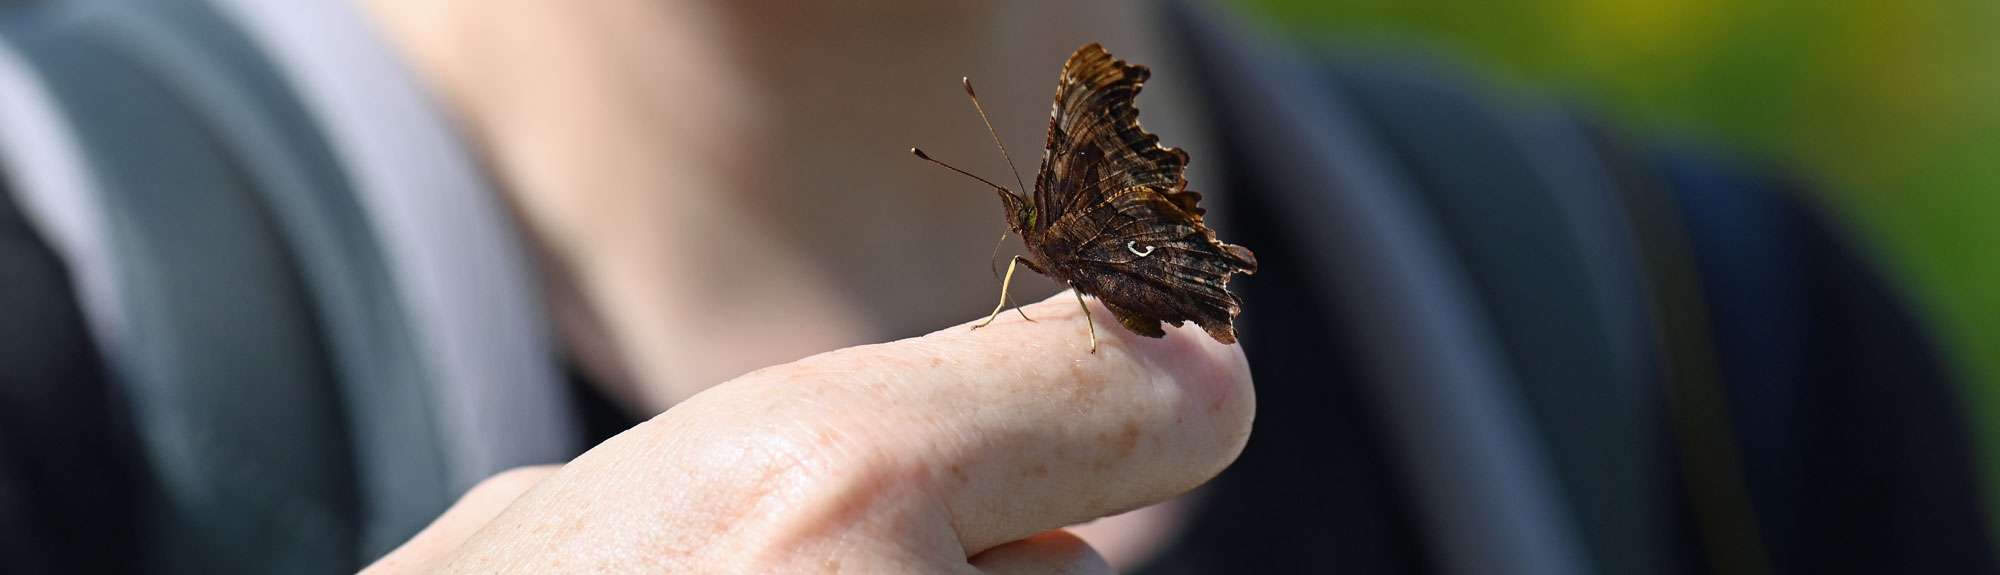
(1111, 215)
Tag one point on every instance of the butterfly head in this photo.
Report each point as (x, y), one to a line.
(1020, 214)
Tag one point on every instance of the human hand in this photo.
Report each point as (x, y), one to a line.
(956, 452)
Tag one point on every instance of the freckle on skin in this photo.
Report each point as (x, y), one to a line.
(958, 472)
(1040, 470)
(1085, 385)
(1128, 439)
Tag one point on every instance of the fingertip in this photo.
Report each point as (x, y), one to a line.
(1215, 377)
(1158, 416)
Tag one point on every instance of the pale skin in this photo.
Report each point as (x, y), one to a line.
(713, 186)
(954, 452)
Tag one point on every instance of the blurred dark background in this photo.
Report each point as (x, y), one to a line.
(1891, 108)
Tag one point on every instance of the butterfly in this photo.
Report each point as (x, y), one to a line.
(1112, 215)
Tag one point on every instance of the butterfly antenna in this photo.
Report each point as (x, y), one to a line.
(995, 133)
(927, 157)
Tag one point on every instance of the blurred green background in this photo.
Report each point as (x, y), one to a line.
(1889, 106)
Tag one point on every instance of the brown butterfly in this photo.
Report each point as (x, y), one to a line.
(1112, 216)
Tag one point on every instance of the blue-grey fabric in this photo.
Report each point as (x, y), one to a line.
(68, 460)
(1387, 268)
(432, 366)
(454, 254)
(1541, 232)
(234, 398)
(57, 194)
(319, 356)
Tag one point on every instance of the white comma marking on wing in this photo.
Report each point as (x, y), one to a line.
(1135, 251)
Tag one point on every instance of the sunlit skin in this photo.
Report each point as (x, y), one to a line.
(938, 454)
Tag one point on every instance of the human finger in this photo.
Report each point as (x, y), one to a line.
(909, 456)
(1055, 552)
(1017, 428)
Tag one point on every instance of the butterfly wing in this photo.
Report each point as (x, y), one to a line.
(1149, 260)
(1095, 126)
(1117, 220)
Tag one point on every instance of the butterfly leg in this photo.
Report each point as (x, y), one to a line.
(1086, 319)
(1004, 284)
(995, 256)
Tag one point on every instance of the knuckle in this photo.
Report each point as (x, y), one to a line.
(838, 470)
